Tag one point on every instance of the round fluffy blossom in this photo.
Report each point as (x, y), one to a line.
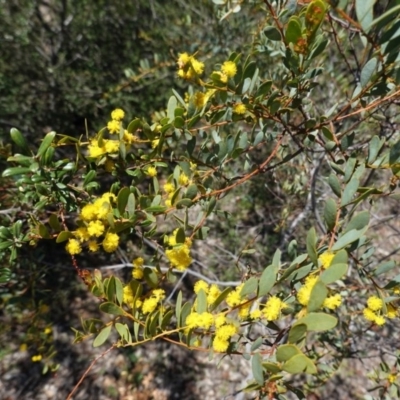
(206, 320)
(226, 331)
(391, 311)
(95, 150)
(220, 345)
(332, 302)
(303, 295)
(113, 126)
(183, 179)
(151, 171)
(95, 228)
(369, 315)
(82, 234)
(193, 320)
(128, 295)
(73, 247)
(117, 114)
(137, 273)
(93, 246)
(138, 262)
(380, 320)
(255, 314)
(130, 137)
(199, 99)
(244, 311)
(179, 257)
(110, 242)
(183, 59)
(197, 65)
(233, 299)
(374, 303)
(111, 146)
(213, 294)
(229, 69)
(273, 308)
(149, 305)
(220, 320)
(326, 259)
(239, 108)
(169, 187)
(89, 212)
(200, 285)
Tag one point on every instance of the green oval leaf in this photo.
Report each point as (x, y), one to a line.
(249, 287)
(311, 246)
(15, 171)
(286, 352)
(150, 277)
(317, 296)
(63, 236)
(364, 12)
(102, 336)
(257, 368)
(368, 71)
(334, 183)
(333, 273)
(111, 308)
(122, 199)
(48, 139)
(297, 333)
(330, 212)
(191, 191)
(201, 301)
(348, 238)
(293, 31)
(19, 140)
(318, 322)
(349, 191)
(359, 221)
(267, 280)
(299, 363)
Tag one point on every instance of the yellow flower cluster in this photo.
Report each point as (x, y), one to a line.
(189, 66)
(228, 70)
(239, 108)
(326, 259)
(104, 146)
(114, 125)
(36, 358)
(222, 336)
(195, 320)
(179, 255)
(273, 308)
(150, 304)
(303, 294)
(374, 311)
(129, 297)
(152, 171)
(333, 302)
(137, 272)
(234, 298)
(95, 223)
(212, 291)
(108, 146)
(183, 179)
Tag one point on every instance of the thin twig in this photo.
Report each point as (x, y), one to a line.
(88, 370)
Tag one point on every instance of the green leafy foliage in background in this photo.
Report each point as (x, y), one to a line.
(306, 113)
